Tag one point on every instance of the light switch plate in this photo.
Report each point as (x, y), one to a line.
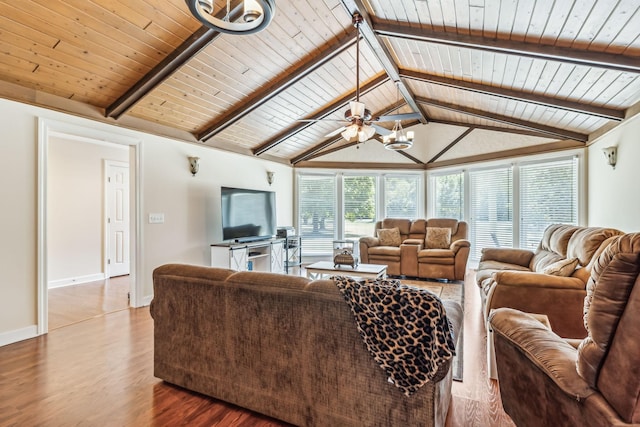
(156, 218)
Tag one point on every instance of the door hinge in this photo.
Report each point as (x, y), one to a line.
(108, 262)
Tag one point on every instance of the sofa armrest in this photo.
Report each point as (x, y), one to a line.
(552, 355)
(417, 242)
(520, 257)
(369, 241)
(459, 244)
(536, 280)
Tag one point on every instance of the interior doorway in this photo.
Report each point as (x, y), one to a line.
(82, 260)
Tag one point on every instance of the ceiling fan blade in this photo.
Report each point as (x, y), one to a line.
(394, 117)
(335, 132)
(323, 120)
(382, 131)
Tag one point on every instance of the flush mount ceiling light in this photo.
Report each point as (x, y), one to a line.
(256, 16)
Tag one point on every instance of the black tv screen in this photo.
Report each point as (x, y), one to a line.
(248, 214)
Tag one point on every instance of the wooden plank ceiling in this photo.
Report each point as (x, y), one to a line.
(556, 71)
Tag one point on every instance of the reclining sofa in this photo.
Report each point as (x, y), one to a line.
(436, 248)
(546, 380)
(284, 346)
(551, 280)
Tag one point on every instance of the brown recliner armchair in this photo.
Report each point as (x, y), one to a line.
(412, 253)
(545, 381)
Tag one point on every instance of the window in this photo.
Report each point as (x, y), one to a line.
(359, 195)
(548, 195)
(491, 194)
(448, 195)
(401, 196)
(336, 206)
(317, 213)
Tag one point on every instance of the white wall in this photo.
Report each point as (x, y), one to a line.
(191, 205)
(75, 208)
(613, 199)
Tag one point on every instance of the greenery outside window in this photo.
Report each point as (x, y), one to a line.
(317, 213)
(337, 206)
(359, 195)
(448, 195)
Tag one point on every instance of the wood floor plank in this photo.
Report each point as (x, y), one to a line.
(100, 372)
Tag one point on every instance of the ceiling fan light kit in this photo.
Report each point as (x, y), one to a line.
(256, 16)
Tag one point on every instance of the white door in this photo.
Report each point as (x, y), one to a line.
(117, 218)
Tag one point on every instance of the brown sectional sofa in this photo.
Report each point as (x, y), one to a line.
(520, 279)
(595, 384)
(411, 257)
(284, 346)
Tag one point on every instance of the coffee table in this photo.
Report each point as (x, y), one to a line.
(366, 271)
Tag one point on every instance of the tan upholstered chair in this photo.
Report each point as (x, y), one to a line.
(545, 381)
(411, 255)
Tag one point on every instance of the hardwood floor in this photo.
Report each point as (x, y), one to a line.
(100, 372)
(71, 304)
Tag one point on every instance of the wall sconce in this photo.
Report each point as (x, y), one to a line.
(270, 177)
(194, 165)
(611, 153)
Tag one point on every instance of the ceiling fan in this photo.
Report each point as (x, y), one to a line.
(359, 125)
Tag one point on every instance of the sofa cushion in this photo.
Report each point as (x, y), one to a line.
(564, 267)
(390, 251)
(389, 237)
(438, 238)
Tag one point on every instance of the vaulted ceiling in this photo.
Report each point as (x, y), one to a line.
(540, 74)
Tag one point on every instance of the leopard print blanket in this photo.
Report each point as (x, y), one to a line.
(404, 328)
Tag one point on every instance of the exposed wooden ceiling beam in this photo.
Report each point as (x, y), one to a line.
(517, 152)
(410, 157)
(548, 130)
(359, 165)
(491, 128)
(315, 60)
(382, 54)
(450, 146)
(169, 65)
(570, 55)
(329, 109)
(547, 101)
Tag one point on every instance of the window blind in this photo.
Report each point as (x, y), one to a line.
(317, 213)
(548, 195)
(448, 195)
(491, 209)
(401, 198)
(359, 196)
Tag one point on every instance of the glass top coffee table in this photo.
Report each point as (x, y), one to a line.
(366, 271)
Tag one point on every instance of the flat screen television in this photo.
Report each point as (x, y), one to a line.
(248, 214)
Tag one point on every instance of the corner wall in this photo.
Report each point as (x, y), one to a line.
(191, 205)
(613, 199)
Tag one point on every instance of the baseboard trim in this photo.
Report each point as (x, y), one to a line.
(75, 280)
(11, 337)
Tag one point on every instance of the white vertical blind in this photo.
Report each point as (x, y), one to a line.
(401, 196)
(491, 209)
(359, 198)
(448, 195)
(548, 195)
(317, 213)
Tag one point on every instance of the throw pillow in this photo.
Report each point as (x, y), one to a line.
(389, 236)
(438, 238)
(564, 267)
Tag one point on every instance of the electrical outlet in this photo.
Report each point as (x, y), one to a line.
(156, 218)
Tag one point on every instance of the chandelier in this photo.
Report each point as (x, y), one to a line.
(256, 16)
(398, 139)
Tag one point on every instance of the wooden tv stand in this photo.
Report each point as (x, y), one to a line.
(260, 255)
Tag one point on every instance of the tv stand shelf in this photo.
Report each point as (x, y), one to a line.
(261, 255)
